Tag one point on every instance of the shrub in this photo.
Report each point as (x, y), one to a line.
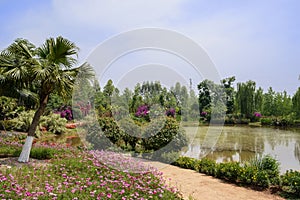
(9, 108)
(171, 112)
(206, 166)
(185, 162)
(261, 172)
(54, 123)
(228, 171)
(291, 182)
(132, 133)
(110, 129)
(160, 133)
(266, 121)
(127, 135)
(243, 121)
(23, 121)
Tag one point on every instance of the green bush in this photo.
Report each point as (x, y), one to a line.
(185, 162)
(228, 171)
(7, 125)
(160, 133)
(131, 133)
(278, 121)
(23, 121)
(206, 166)
(266, 121)
(243, 121)
(9, 108)
(291, 182)
(260, 172)
(129, 136)
(53, 123)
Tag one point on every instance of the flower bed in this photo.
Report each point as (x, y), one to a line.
(83, 175)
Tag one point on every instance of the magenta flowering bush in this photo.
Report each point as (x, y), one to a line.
(203, 114)
(142, 111)
(65, 112)
(83, 175)
(171, 112)
(257, 114)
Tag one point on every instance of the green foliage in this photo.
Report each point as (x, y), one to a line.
(53, 123)
(288, 120)
(245, 98)
(260, 172)
(206, 166)
(9, 108)
(129, 136)
(204, 95)
(40, 152)
(267, 169)
(228, 171)
(186, 162)
(160, 133)
(291, 182)
(266, 121)
(296, 103)
(23, 121)
(229, 90)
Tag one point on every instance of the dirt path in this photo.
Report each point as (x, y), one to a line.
(200, 186)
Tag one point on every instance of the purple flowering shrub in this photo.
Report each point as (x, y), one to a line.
(171, 112)
(203, 114)
(256, 117)
(65, 112)
(257, 114)
(142, 111)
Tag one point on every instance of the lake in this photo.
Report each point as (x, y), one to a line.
(242, 143)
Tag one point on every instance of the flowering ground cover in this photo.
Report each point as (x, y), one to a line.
(79, 174)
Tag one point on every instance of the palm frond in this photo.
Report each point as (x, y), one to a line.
(59, 51)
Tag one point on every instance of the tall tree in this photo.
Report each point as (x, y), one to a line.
(48, 67)
(258, 100)
(204, 95)
(296, 103)
(268, 104)
(229, 90)
(245, 98)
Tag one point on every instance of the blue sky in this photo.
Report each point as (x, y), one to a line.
(254, 40)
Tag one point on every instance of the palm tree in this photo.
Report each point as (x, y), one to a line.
(49, 68)
(14, 78)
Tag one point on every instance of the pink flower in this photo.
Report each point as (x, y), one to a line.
(28, 194)
(109, 195)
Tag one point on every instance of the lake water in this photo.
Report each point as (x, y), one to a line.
(241, 143)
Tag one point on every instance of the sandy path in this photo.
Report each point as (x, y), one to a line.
(201, 186)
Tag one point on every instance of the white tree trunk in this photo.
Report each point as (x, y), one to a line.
(24, 157)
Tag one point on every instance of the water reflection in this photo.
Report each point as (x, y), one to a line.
(238, 143)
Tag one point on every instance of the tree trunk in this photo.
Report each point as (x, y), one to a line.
(24, 157)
